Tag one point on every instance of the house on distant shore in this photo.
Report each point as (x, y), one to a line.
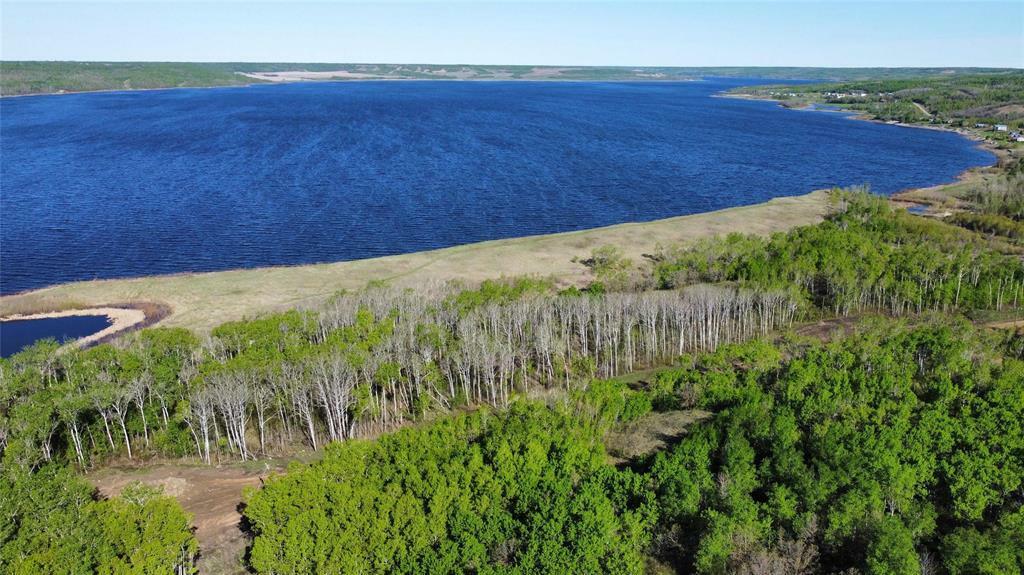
(981, 125)
(1016, 137)
(1001, 127)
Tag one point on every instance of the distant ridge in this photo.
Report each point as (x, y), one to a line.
(50, 77)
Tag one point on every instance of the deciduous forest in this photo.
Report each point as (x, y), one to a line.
(462, 429)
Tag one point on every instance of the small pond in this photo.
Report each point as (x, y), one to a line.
(16, 335)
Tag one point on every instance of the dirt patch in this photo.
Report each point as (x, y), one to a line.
(651, 433)
(212, 495)
(828, 329)
(1011, 325)
(546, 72)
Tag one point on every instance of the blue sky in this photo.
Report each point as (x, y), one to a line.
(763, 33)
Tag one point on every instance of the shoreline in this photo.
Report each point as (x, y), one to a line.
(981, 141)
(261, 82)
(471, 245)
(183, 301)
(917, 196)
(200, 301)
(121, 320)
(131, 90)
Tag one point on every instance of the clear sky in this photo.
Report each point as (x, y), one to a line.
(764, 33)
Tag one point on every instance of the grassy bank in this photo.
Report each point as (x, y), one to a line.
(202, 301)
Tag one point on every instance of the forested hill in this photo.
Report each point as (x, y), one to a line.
(35, 77)
(21, 78)
(956, 99)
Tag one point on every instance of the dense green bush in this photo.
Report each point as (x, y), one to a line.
(891, 451)
(994, 224)
(866, 256)
(868, 453)
(526, 491)
(52, 523)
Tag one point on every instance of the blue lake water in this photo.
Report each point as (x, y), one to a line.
(125, 184)
(19, 334)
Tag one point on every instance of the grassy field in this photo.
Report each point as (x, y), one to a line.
(202, 301)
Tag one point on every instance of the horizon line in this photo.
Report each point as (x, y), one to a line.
(677, 66)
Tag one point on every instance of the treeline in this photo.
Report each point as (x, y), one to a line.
(994, 204)
(18, 78)
(867, 256)
(898, 443)
(370, 361)
(895, 451)
(366, 363)
(36, 77)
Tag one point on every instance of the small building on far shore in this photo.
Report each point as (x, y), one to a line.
(1001, 127)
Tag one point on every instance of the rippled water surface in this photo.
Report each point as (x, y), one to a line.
(125, 184)
(19, 334)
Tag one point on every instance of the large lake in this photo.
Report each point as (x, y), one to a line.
(136, 183)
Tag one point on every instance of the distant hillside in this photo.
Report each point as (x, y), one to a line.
(19, 78)
(963, 99)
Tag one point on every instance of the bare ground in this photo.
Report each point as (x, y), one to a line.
(651, 433)
(1013, 325)
(829, 329)
(203, 300)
